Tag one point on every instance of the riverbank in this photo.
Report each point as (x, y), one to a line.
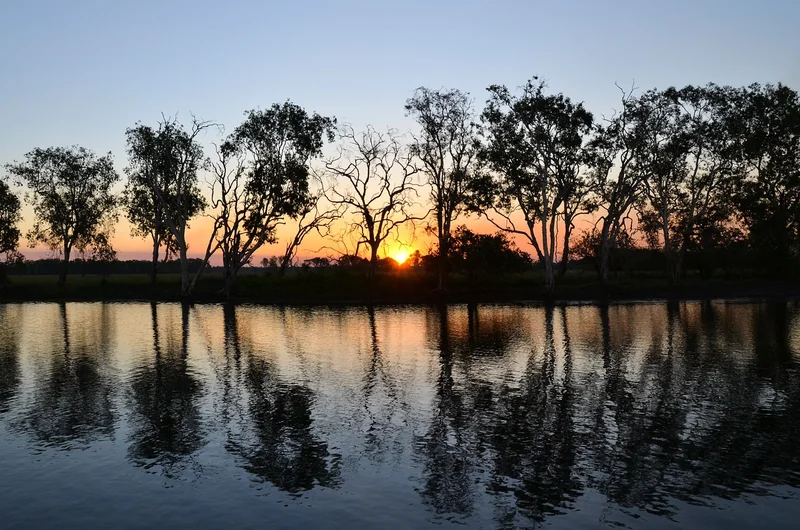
(392, 288)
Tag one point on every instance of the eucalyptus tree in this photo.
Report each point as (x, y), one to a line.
(536, 148)
(9, 219)
(147, 218)
(663, 159)
(617, 175)
(316, 215)
(374, 178)
(447, 146)
(163, 167)
(766, 129)
(261, 179)
(689, 156)
(70, 191)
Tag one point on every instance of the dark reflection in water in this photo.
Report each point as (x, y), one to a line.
(9, 356)
(165, 417)
(276, 443)
(73, 392)
(641, 416)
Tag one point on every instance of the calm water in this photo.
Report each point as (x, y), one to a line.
(170, 416)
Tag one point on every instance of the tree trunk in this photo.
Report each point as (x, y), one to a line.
(154, 265)
(605, 258)
(62, 274)
(230, 279)
(284, 264)
(186, 287)
(443, 251)
(562, 269)
(549, 278)
(373, 261)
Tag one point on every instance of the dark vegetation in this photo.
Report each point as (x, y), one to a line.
(685, 191)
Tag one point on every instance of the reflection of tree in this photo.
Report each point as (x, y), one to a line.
(445, 447)
(533, 438)
(9, 357)
(377, 382)
(277, 443)
(72, 404)
(165, 414)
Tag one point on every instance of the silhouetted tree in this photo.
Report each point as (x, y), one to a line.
(165, 162)
(317, 215)
(71, 196)
(146, 215)
(536, 145)
(618, 175)
(261, 179)
(481, 254)
(447, 145)
(375, 175)
(767, 133)
(9, 218)
(689, 155)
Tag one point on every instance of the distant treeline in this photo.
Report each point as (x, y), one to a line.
(693, 178)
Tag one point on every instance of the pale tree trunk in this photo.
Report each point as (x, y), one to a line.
(606, 246)
(185, 285)
(565, 250)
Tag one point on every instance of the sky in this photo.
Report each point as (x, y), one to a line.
(81, 72)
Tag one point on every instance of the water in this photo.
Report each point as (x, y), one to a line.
(169, 416)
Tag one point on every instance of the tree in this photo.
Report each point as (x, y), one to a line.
(316, 215)
(148, 220)
(589, 246)
(9, 217)
(447, 146)
(766, 129)
(536, 146)
(70, 192)
(617, 175)
(374, 178)
(261, 179)
(482, 254)
(163, 164)
(688, 156)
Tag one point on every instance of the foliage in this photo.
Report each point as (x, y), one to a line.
(535, 144)
(262, 178)
(482, 254)
(10, 216)
(447, 145)
(766, 129)
(163, 194)
(71, 196)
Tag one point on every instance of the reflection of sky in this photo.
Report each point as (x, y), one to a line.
(80, 73)
(638, 408)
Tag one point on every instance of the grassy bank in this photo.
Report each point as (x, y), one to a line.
(337, 286)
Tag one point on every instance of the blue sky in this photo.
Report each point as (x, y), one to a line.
(83, 71)
(80, 72)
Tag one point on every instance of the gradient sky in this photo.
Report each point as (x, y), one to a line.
(80, 72)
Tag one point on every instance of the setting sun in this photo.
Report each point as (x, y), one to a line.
(400, 256)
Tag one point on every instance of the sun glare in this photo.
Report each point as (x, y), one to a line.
(400, 256)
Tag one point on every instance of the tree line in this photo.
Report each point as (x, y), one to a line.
(685, 171)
